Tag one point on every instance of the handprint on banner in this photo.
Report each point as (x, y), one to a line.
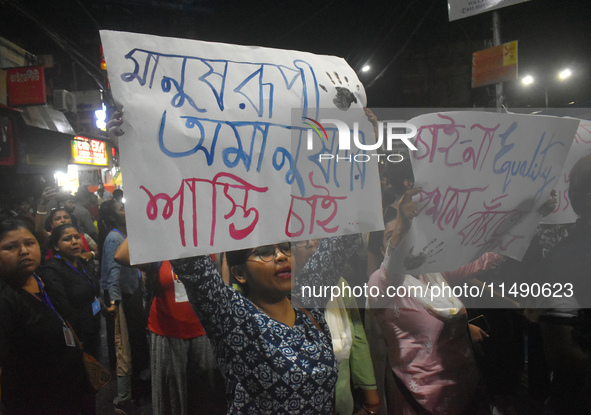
(424, 257)
(344, 97)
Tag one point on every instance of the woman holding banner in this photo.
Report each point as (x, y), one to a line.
(429, 347)
(277, 357)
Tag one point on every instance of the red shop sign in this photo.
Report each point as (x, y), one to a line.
(26, 86)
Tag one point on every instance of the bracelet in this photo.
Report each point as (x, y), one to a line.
(370, 412)
(390, 249)
(41, 213)
(93, 254)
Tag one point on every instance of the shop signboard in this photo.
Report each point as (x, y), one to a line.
(89, 151)
(26, 86)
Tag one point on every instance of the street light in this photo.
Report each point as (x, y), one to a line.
(365, 68)
(565, 73)
(527, 80)
(562, 75)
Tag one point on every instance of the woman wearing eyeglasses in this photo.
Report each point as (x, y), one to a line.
(277, 358)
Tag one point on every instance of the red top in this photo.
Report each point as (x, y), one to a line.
(167, 317)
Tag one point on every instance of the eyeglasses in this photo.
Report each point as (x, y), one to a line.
(307, 244)
(267, 253)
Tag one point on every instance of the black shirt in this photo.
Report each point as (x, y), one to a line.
(72, 293)
(40, 373)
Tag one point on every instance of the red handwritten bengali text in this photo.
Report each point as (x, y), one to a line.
(228, 183)
(309, 205)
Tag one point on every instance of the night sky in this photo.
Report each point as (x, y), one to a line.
(552, 34)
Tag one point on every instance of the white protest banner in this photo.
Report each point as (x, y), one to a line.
(214, 155)
(581, 147)
(483, 178)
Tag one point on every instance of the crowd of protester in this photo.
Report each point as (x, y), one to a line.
(228, 333)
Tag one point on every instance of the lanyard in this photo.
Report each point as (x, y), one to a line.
(83, 273)
(119, 232)
(46, 299)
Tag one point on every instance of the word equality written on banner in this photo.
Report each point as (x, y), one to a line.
(213, 157)
(483, 177)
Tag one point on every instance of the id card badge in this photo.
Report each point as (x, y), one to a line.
(180, 294)
(96, 306)
(69, 337)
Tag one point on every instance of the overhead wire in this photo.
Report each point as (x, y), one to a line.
(356, 54)
(403, 48)
(300, 24)
(387, 35)
(90, 16)
(68, 46)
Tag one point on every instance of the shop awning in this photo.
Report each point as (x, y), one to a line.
(45, 140)
(44, 117)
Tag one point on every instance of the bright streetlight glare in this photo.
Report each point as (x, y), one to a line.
(565, 73)
(101, 118)
(365, 68)
(527, 80)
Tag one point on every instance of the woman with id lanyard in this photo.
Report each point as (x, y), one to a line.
(41, 367)
(72, 285)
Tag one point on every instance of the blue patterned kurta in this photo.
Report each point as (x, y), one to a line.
(270, 368)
